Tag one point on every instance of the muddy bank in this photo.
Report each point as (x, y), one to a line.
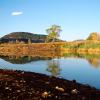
(27, 49)
(18, 85)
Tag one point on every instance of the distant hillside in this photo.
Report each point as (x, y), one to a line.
(23, 37)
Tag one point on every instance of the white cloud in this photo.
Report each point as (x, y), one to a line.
(17, 13)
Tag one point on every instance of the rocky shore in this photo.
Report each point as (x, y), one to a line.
(20, 85)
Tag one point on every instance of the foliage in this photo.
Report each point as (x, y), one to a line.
(53, 33)
(90, 45)
(82, 45)
(94, 36)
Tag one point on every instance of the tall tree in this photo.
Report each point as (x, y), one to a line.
(53, 33)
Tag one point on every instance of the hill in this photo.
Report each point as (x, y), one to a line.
(23, 37)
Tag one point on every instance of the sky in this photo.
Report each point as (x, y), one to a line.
(77, 18)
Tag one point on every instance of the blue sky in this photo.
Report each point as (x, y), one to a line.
(77, 18)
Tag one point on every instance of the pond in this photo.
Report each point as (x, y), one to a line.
(84, 69)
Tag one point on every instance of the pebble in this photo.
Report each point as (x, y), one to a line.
(23, 90)
(59, 89)
(6, 88)
(47, 82)
(18, 91)
(65, 94)
(45, 94)
(74, 91)
(56, 97)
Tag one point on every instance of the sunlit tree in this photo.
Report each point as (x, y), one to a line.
(94, 36)
(53, 33)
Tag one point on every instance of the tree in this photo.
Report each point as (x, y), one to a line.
(94, 36)
(53, 33)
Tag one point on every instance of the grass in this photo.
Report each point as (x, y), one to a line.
(91, 45)
(84, 45)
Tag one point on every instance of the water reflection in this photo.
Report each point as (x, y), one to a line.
(32, 56)
(93, 59)
(22, 59)
(67, 65)
(54, 67)
(95, 62)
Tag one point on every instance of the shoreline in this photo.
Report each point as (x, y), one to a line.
(20, 85)
(56, 48)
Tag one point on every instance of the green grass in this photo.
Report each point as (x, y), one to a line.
(91, 45)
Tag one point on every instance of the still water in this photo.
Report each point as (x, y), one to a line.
(83, 68)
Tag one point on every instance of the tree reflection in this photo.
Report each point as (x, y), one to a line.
(95, 62)
(54, 67)
(21, 59)
(93, 59)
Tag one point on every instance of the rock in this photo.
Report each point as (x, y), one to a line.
(47, 82)
(74, 91)
(21, 81)
(7, 88)
(18, 91)
(59, 89)
(45, 94)
(56, 97)
(23, 90)
(65, 94)
(17, 85)
(30, 93)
